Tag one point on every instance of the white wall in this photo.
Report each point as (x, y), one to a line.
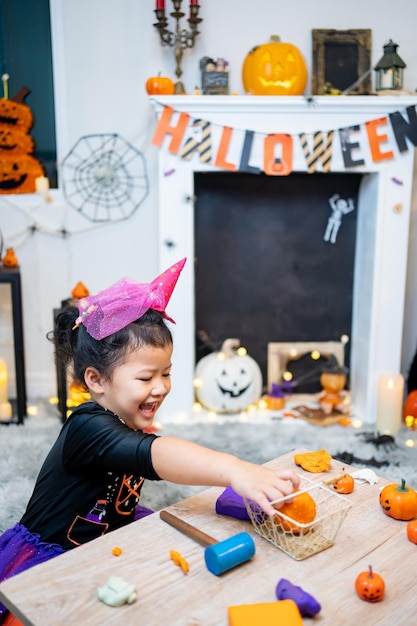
(104, 52)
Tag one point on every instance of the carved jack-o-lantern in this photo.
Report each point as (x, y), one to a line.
(18, 173)
(228, 381)
(14, 140)
(17, 114)
(274, 69)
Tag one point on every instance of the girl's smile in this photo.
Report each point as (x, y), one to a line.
(138, 386)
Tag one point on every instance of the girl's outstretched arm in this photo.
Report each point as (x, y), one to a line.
(186, 463)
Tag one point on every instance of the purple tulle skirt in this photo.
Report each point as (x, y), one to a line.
(20, 550)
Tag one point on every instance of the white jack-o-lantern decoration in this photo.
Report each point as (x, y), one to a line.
(228, 381)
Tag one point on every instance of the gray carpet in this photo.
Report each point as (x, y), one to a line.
(23, 448)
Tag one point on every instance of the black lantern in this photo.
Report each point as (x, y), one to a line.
(389, 70)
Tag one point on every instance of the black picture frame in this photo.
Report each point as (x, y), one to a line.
(342, 61)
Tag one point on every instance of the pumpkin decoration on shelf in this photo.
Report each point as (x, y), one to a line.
(228, 381)
(18, 168)
(274, 69)
(160, 85)
(370, 586)
(399, 501)
(301, 509)
(10, 259)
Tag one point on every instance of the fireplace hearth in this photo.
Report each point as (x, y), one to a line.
(382, 229)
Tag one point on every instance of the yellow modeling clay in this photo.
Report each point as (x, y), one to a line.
(315, 462)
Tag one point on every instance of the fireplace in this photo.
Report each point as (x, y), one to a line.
(383, 216)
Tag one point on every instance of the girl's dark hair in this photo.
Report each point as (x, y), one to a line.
(75, 347)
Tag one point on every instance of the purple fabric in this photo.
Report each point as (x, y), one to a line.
(231, 503)
(141, 511)
(21, 550)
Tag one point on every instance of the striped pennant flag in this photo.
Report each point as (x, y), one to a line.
(322, 151)
(203, 146)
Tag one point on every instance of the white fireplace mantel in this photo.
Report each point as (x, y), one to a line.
(383, 222)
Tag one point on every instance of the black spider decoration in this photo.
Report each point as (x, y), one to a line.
(385, 441)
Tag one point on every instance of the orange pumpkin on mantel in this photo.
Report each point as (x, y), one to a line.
(274, 69)
(160, 85)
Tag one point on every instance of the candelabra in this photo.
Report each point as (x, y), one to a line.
(180, 39)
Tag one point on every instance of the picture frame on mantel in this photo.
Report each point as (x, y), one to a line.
(341, 61)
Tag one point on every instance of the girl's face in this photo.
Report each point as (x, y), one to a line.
(139, 386)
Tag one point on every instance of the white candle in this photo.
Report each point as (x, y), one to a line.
(390, 403)
(42, 184)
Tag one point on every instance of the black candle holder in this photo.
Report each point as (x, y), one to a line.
(179, 39)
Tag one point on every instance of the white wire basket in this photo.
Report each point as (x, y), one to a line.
(303, 540)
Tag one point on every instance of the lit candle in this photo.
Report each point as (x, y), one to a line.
(5, 406)
(160, 4)
(42, 185)
(389, 403)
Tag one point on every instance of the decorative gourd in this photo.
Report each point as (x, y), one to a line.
(10, 259)
(228, 381)
(412, 531)
(301, 509)
(346, 484)
(160, 85)
(274, 69)
(370, 586)
(399, 501)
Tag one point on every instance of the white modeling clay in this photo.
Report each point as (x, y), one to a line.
(116, 592)
(365, 476)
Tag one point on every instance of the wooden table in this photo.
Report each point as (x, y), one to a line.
(64, 590)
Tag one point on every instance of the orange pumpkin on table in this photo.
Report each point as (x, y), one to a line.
(370, 586)
(399, 501)
(301, 509)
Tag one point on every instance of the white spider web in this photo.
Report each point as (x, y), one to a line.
(104, 178)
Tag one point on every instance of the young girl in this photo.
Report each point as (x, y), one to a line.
(120, 348)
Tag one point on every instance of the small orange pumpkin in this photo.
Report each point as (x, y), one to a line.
(346, 484)
(160, 85)
(301, 509)
(274, 69)
(10, 259)
(399, 501)
(370, 586)
(412, 531)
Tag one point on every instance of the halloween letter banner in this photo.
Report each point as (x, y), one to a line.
(187, 139)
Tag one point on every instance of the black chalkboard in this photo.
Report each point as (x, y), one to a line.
(263, 271)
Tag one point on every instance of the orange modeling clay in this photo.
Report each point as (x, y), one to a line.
(116, 551)
(179, 560)
(315, 462)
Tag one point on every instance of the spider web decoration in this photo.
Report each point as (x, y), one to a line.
(104, 178)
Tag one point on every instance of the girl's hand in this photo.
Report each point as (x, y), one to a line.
(263, 485)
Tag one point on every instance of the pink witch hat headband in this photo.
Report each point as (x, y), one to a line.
(126, 301)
